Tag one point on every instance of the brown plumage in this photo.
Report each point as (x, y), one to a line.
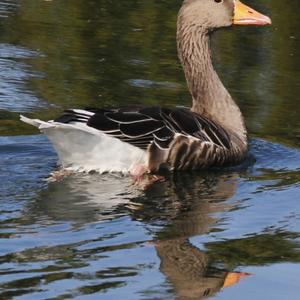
(212, 133)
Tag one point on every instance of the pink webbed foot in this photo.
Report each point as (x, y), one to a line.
(140, 175)
(137, 172)
(58, 175)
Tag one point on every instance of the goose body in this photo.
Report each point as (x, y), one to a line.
(212, 133)
(116, 140)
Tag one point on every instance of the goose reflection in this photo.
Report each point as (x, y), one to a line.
(190, 270)
(173, 211)
(85, 198)
(188, 212)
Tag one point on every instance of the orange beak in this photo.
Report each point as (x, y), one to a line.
(244, 15)
(233, 278)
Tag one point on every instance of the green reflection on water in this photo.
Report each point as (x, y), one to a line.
(104, 53)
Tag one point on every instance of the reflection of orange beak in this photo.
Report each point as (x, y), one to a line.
(244, 15)
(233, 278)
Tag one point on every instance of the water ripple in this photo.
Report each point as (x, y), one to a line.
(91, 234)
(14, 74)
(7, 7)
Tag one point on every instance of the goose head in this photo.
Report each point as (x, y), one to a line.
(212, 14)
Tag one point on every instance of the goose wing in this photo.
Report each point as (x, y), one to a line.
(143, 126)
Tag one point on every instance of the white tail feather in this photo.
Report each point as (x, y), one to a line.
(82, 148)
(36, 122)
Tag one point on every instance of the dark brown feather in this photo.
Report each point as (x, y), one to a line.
(177, 136)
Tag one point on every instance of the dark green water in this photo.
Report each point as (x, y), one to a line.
(98, 237)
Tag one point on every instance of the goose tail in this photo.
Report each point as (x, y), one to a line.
(83, 148)
(36, 122)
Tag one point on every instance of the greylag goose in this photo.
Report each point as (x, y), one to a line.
(139, 140)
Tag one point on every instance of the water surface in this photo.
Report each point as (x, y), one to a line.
(98, 237)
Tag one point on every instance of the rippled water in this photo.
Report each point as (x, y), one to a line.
(189, 237)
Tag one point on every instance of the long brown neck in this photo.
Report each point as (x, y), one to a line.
(210, 97)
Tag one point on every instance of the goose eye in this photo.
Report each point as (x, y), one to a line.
(218, 1)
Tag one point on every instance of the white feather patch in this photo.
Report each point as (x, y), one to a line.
(83, 148)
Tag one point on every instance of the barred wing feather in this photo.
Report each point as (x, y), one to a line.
(141, 127)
